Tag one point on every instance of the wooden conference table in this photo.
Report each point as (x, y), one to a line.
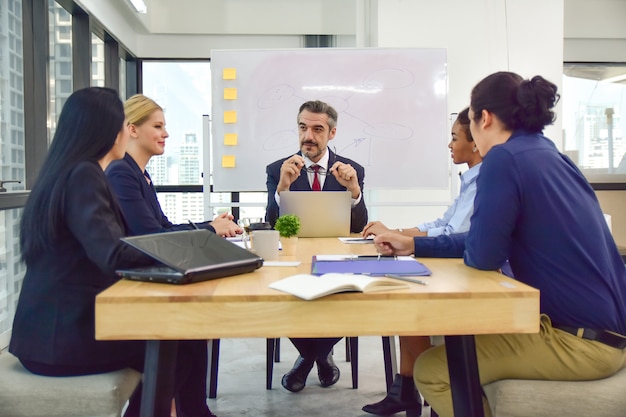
(458, 302)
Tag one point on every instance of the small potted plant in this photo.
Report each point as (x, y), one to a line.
(288, 226)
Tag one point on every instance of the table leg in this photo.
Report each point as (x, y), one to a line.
(464, 377)
(158, 378)
(389, 358)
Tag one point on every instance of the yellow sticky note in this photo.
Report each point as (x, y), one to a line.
(228, 161)
(230, 94)
(230, 139)
(230, 116)
(229, 74)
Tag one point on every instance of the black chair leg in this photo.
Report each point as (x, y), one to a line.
(353, 343)
(214, 364)
(269, 371)
(389, 357)
(277, 349)
(348, 350)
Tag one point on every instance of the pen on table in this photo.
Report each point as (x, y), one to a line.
(366, 257)
(403, 278)
(193, 224)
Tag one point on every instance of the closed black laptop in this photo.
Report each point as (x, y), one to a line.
(189, 256)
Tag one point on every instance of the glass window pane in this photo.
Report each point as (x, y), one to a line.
(122, 88)
(594, 119)
(11, 95)
(97, 61)
(182, 162)
(12, 165)
(64, 68)
(183, 89)
(60, 77)
(12, 270)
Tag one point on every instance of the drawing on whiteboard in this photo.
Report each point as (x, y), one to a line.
(275, 95)
(389, 78)
(373, 82)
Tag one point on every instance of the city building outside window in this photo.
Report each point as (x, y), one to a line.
(11, 158)
(594, 119)
(97, 61)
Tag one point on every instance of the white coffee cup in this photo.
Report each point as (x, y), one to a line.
(265, 243)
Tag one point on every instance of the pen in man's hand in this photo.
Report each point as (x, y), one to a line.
(193, 224)
(403, 278)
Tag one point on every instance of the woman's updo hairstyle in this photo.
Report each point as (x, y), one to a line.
(518, 103)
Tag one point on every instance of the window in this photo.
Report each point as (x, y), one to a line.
(97, 61)
(64, 69)
(594, 119)
(12, 157)
(183, 89)
(60, 76)
(64, 33)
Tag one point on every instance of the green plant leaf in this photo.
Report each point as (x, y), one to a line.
(288, 225)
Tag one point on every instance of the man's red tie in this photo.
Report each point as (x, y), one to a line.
(316, 181)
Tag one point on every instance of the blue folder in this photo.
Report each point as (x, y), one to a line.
(370, 266)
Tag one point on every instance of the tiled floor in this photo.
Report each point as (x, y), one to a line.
(241, 383)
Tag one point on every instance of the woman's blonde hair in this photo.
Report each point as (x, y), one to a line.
(138, 109)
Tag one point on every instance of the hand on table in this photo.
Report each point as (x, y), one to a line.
(391, 243)
(225, 226)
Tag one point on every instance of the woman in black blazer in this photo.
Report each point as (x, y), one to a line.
(70, 241)
(132, 184)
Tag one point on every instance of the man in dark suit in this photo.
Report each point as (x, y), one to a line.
(317, 125)
(315, 168)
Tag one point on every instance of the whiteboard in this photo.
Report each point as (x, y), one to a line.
(391, 104)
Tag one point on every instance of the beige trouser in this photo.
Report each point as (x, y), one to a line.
(551, 354)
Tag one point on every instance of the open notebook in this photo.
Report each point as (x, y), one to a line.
(321, 213)
(189, 256)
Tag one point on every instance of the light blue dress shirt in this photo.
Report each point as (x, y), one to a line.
(457, 218)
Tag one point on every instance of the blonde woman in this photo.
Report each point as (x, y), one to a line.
(132, 183)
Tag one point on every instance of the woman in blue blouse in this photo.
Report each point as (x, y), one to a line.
(402, 395)
(132, 183)
(533, 207)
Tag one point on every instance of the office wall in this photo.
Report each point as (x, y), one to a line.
(594, 31)
(613, 203)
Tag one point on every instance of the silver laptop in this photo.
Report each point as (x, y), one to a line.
(189, 256)
(321, 213)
